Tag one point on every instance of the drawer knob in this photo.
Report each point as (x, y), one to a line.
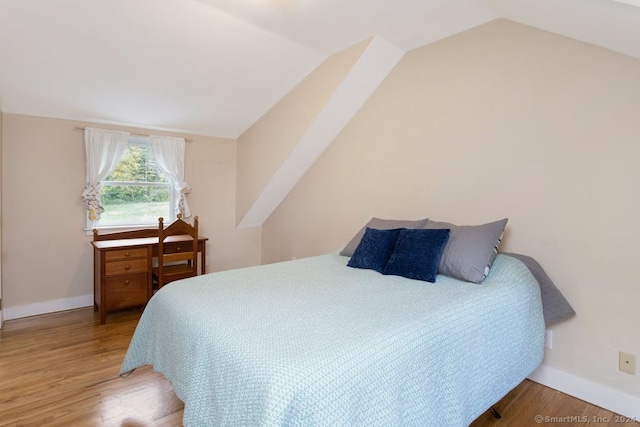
(126, 267)
(178, 248)
(126, 282)
(127, 254)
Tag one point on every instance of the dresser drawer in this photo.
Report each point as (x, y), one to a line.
(176, 247)
(126, 291)
(121, 254)
(123, 267)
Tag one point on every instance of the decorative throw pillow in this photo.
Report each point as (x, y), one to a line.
(417, 254)
(380, 224)
(374, 249)
(471, 249)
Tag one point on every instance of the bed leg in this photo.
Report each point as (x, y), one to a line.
(496, 413)
(126, 374)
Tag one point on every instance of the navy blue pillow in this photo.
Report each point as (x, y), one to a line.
(417, 254)
(374, 249)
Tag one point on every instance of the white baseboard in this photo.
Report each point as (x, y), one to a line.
(28, 310)
(596, 394)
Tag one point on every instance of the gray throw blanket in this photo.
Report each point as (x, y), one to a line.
(554, 305)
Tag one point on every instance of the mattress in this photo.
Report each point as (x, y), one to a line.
(312, 342)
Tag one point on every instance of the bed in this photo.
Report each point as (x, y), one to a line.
(312, 342)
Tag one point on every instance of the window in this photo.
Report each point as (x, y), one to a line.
(140, 179)
(136, 192)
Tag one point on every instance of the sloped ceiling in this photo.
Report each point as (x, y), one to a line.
(214, 67)
(612, 24)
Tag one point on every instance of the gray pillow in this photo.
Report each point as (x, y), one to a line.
(471, 249)
(554, 305)
(380, 224)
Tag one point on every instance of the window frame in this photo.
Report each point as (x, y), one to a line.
(135, 141)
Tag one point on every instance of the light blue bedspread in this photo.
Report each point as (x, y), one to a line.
(315, 343)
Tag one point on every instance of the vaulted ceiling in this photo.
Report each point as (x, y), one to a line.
(214, 67)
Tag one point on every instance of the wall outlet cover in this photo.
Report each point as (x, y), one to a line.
(548, 338)
(627, 363)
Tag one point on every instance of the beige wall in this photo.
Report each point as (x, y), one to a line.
(500, 121)
(1, 316)
(46, 252)
(264, 147)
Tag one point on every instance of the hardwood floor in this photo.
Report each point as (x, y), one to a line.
(62, 370)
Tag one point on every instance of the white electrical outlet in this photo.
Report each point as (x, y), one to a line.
(627, 363)
(548, 338)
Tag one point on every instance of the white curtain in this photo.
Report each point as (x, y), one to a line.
(169, 155)
(103, 149)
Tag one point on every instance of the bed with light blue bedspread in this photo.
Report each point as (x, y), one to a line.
(312, 342)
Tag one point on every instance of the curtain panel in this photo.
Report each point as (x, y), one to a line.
(103, 149)
(169, 155)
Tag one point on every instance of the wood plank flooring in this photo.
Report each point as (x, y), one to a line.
(62, 370)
